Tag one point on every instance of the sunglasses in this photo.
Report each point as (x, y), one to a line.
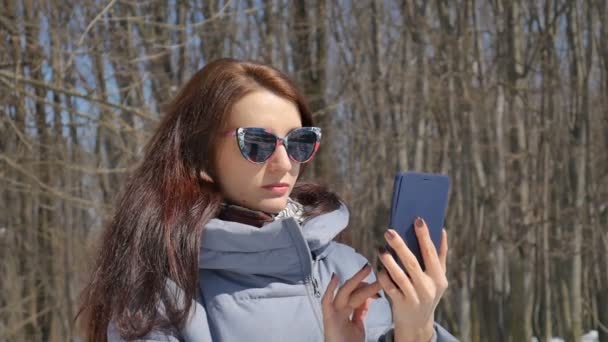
(258, 144)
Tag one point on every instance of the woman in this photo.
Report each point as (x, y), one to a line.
(214, 238)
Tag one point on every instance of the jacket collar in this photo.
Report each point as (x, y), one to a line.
(279, 248)
(233, 212)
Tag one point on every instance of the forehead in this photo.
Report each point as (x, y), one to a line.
(263, 108)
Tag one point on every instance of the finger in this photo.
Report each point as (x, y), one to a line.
(427, 248)
(360, 313)
(443, 250)
(397, 275)
(350, 285)
(389, 287)
(363, 286)
(328, 296)
(363, 292)
(360, 286)
(408, 259)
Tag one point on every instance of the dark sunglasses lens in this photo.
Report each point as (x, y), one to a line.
(258, 145)
(302, 144)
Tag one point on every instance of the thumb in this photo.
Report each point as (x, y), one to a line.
(360, 313)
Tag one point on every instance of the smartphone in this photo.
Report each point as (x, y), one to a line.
(418, 195)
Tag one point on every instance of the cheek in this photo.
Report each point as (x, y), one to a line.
(227, 153)
(295, 170)
(234, 172)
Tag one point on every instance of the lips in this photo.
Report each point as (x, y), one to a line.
(276, 185)
(277, 189)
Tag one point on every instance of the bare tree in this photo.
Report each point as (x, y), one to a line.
(507, 97)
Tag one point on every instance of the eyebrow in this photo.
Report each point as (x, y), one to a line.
(260, 126)
(291, 129)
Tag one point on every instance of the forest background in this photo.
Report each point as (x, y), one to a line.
(507, 97)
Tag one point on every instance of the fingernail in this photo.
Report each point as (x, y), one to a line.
(364, 266)
(419, 222)
(381, 250)
(390, 234)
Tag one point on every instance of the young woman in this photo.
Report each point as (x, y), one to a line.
(214, 238)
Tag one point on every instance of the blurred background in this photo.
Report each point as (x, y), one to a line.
(507, 97)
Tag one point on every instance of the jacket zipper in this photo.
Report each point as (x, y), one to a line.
(315, 286)
(316, 293)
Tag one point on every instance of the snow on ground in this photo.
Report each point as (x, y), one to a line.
(591, 336)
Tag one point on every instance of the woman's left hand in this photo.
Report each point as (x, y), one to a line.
(414, 297)
(344, 312)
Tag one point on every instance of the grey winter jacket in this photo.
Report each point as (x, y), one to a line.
(266, 284)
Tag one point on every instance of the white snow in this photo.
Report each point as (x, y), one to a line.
(591, 336)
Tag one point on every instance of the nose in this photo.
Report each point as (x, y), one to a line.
(279, 161)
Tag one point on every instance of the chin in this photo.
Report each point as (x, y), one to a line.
(273, 205)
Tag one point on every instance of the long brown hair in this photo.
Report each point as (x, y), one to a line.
(160, 214)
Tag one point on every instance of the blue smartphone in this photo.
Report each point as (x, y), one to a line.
(418, 194)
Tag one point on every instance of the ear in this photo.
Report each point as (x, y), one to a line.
(206, 177)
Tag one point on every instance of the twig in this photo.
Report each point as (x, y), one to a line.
(19, 134)
(65, 196)
(86, 31)
(13, 76)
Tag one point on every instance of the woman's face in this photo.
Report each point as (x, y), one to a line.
(242, 181)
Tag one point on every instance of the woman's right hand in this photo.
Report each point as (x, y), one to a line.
(354, 297)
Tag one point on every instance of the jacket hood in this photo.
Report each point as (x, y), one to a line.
(275, 249)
